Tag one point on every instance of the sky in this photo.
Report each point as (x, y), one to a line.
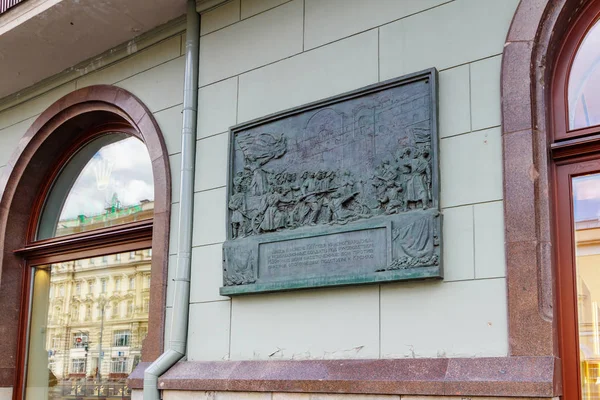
(128, 166)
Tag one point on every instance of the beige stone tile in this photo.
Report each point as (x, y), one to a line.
(477, 398)
(329, 20)
(137, 62)
(187, 395)
(159, 87)
(490, 260)
(217, 107)
(327, 71)
(220, 17)
(211, 162)
(34, 106)
(471, 315)
(135, 395)
(208, 332)
(485, 93)
(10, 137)
(472, 29)
(170, 122)
(209, 217)
(291, 396)
(328, 323)
(251, 43)
(454, 101)
(253, 7)
(459, 252)
(207, 273)
(175, 163)
(242, 396)
(320, 396)
(471, 168)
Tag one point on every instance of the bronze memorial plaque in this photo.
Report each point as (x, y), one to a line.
(342, 191)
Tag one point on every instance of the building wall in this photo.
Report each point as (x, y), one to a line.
(263, 56)
(260, 57)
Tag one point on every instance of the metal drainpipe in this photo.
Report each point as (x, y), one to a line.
(179, 324)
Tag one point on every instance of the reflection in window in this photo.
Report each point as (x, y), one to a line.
(108, 182)
(80, 340)
(584, 82)
(78, 366)
(586, 208)
(99, 350)
(121, 338)
(118, 365)
(75, 313)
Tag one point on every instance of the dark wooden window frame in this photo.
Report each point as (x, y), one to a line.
(48, 144)
(540, 156)
(573, 152)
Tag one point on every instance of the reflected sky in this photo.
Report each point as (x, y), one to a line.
(584, 81)
(119, 171)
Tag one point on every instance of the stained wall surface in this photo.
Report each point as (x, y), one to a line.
(262, 56)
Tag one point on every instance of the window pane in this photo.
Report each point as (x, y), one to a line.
(586, 206)
(85, 343)
(108, 182)
(584, 82)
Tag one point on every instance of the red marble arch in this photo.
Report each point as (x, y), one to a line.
(528, 67)
(56, 129)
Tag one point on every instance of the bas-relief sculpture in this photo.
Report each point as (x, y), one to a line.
(342, 191)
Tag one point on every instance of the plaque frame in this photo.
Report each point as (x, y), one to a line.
(253, 243)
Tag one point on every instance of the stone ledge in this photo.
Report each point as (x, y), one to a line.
(502, 376)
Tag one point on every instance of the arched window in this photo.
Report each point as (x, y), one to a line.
(90, 188)
(576, 145)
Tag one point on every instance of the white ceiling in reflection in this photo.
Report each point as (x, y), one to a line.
(120, 170)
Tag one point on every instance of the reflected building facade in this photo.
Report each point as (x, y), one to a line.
(98, 315)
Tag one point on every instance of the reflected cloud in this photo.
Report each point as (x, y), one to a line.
(119, 174)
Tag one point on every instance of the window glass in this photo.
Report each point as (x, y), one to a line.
(101, 348)
(586, 207)
(108, 182)
(584, 82)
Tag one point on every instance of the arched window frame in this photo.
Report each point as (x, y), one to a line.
(52, 139)
(573, 152)
(560, 82)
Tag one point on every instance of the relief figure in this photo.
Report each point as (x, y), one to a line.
(414, 245)
(237, 205)
(419, 181)
(240, 269)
